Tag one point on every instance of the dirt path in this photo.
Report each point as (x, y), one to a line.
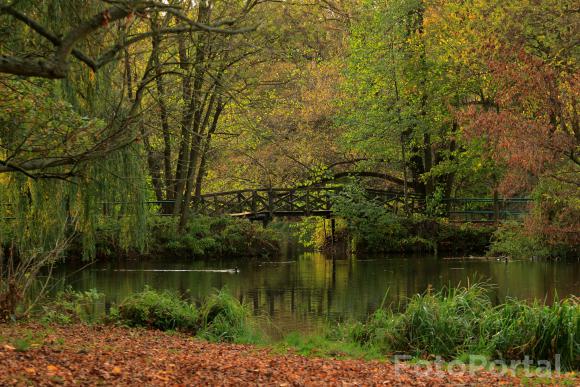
(99, 355)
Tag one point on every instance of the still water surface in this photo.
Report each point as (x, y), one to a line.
(309, 289)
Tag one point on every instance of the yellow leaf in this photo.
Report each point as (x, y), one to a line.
(30, 370)
(162, 377)
(51, 368)
(116, 370)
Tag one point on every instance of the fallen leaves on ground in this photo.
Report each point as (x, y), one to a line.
(80, 354)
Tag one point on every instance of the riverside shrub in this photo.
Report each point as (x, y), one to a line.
(158, 310)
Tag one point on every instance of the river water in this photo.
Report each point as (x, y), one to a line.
(305, 290)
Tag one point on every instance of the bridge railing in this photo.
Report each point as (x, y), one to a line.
(317, 201)
(295, 202)
(302, 201)
(487, 209)
(397, 202)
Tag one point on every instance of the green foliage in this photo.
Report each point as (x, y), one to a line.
(510, 239)
(65, 149)
(70, 306)
(444, 323)
(221, 317)
(213, 237)
(326, 344)
(26, 340)
(433, 323)
(316, 232)
(459, 321)
(455, 322)
(369, 223)
(204, 237)
(380, 331)
(463, 238)
(549, 231)
(376, 108)
(45, 121)
(306, 231)
(158, 310)
(224, 318)
(374, 228)
(450, 323)
(516, 329)
(22, 344)
(435, 204)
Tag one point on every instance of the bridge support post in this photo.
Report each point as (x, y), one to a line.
(332, 229)
(239, 202)
(266, 221)
(254, 202)
(495, 207)
(271, 203)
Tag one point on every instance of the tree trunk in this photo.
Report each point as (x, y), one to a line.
(189, 148)
(193, 159)
(161, 96)
(206, 148)
(151, 162)
(427, 147)
(187, 117)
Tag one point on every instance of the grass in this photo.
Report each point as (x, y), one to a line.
(69, 306)
(517, 329)
(452, 323)
(25, 341)
(325, 345)
(159, 310)
(455, 322)
(443, 323)
(220, 318)
(224, 318)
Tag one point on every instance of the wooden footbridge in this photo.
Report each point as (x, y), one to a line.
(293, 202)
(266, 204)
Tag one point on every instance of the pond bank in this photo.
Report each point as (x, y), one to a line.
(82, 354)
(224, 237)
(450, 325)
(301, 292)
(204, 238)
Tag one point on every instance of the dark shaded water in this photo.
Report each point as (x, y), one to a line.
(309, 289)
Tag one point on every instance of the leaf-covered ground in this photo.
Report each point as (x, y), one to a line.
(80, 354)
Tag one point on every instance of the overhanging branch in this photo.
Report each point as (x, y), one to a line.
(378, 175)
(57, 66)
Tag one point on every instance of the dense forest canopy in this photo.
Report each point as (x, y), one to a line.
(105, 104)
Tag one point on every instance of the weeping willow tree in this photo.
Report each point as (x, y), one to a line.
(68, 153)
(71, 126)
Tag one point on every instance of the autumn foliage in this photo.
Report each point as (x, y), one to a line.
(527, 119)
(529, 126)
